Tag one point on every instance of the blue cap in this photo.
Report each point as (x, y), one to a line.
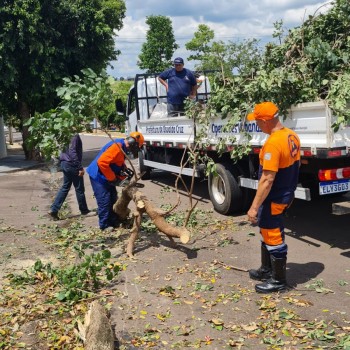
(178, 60)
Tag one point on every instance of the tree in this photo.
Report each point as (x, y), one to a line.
(156, 53)
(200, 43)
(43, 41)
(228, 58)
(82, 100)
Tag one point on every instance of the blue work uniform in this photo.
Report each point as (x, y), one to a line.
(104, 169)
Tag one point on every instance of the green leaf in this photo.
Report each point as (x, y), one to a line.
(286, 332)
(106, 254)
(60, 296)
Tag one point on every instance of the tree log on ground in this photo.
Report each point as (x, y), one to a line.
(96, 332)
(143, 205)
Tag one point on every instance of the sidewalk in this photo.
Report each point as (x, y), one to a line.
(99, 132)
(15, 160)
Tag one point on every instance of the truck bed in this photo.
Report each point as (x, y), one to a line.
(312, 121)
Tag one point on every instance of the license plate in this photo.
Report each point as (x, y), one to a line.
(330, 187)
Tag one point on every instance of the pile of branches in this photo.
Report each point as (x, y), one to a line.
(310, 63)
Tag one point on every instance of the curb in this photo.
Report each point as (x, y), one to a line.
(101, 133)
(17, 169)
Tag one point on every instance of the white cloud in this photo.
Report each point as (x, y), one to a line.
(230, 20)
(296, 16)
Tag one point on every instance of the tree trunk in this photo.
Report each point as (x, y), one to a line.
(96, 332)
(24, 115)
(143, 205)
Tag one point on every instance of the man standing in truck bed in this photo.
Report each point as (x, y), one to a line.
(179, 83)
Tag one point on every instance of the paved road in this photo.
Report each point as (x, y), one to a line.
(319, 243)
(319, 248)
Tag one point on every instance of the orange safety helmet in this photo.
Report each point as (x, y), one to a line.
(138, 138)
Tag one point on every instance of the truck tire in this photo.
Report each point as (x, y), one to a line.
(142, 167)
(224, 190)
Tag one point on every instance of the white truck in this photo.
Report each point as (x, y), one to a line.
(325, 154)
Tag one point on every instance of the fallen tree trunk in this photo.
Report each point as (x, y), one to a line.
(143, 205)
(96, 332)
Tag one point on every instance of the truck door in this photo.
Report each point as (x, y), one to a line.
(131, 117)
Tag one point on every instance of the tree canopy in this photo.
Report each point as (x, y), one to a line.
(43, 41)
(310, 63)
(156, 53)
(228, 58)
(81, 100)
(200, 43)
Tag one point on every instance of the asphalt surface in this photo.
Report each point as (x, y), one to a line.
(319, 250)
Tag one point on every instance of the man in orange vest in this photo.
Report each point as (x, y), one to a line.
(106, 172)
(278, 178)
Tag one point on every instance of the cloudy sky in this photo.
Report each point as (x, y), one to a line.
(230, 19)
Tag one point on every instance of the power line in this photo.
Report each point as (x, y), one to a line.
(136, 40)
(190, 37)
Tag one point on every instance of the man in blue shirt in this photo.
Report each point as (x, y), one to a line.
(179, 83)
(73, 172)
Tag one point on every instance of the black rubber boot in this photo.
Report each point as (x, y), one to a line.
(264, 271)
(277, 282)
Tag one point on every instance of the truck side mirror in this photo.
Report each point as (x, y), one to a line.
(119, 106)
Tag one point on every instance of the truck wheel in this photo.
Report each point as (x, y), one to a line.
(224, 190)
(142, 167)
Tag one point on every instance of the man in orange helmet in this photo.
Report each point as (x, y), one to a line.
(278, 178)
(105, 173)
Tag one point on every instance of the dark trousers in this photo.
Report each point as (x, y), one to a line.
(174, 109)
(106, 195)
(70, 176)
